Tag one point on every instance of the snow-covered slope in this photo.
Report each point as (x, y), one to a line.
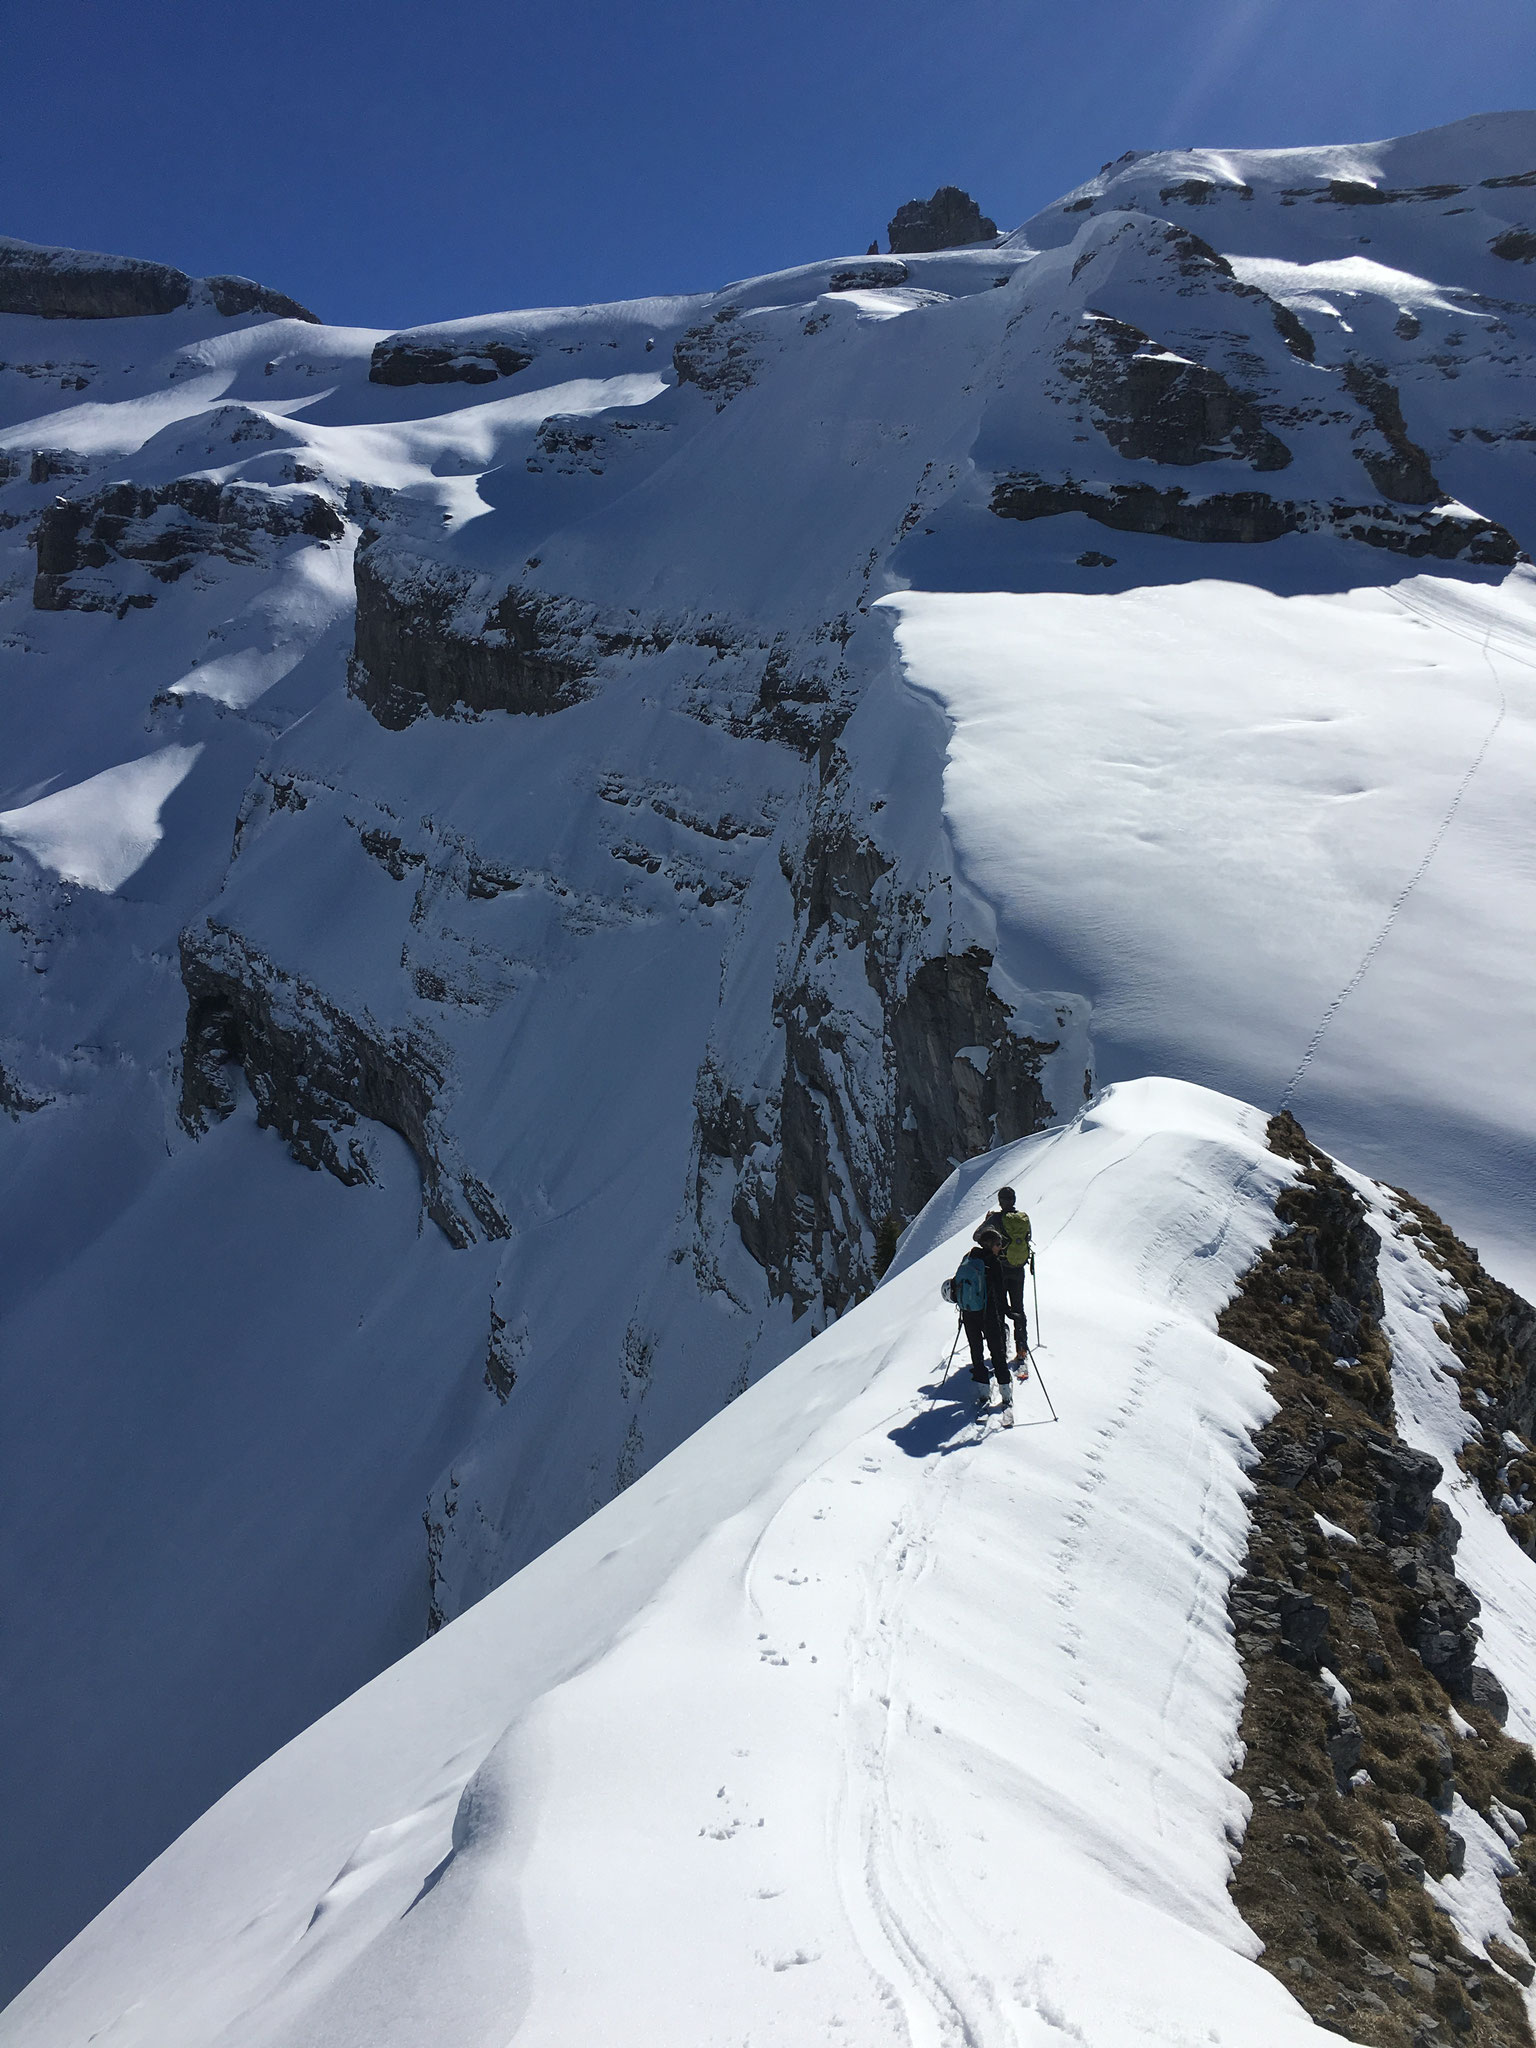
(840, 1724)
(1339, 811)
(632, 794)
(856, 1719)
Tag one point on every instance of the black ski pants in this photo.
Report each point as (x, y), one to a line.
(984, 1332)
(1013, 1285)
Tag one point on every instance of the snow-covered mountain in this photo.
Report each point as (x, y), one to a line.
(859, 1720)
(632, 795)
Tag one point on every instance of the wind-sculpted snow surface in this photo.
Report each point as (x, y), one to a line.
(845, 1722)
(476, 763)
(1221, 877)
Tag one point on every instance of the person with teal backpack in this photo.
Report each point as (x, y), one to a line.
(1012, 1226)
(979, 1292)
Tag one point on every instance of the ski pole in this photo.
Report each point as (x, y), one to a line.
(1045, 1390)
(1035, 1284)
(950, 1364)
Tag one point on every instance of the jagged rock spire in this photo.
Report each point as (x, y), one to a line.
(948, 220)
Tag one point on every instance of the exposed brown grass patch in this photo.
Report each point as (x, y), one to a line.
(1332, 1872)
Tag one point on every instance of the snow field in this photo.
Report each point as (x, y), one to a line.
(1203, 801)
(1200, 814)
(844, 1723)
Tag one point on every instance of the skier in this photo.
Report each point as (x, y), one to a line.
(980, 1290)
(1012, 1225)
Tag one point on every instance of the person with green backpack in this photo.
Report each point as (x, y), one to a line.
(1012, 1226)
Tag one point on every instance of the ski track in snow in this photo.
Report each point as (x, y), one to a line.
(1070, 1556)
(1219, 858)
(904, 1926)
(902, 1935)
(1401, 901)
(1172, 858)
(904, 1720)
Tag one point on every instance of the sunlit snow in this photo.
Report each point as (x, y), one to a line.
(840, 1718)
(280, 625)
(1217, 871)
(1253, 814)
(102, 830)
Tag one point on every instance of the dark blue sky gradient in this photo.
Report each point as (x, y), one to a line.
(395, 162)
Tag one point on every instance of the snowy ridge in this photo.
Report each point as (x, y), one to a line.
(650, 787)
(1481, 167)
(839, 1723)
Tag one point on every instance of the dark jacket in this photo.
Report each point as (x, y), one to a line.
(997, 1295)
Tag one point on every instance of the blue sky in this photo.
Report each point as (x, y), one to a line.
(392, 162)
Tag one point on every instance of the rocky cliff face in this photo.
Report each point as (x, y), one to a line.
(892, 1062)
(80, 284)
(949, 220)
(1251, 396)
(409, 359)
(84, 543)
(885, 1086)
(319, 1077)
(519, 816)
(426, 650)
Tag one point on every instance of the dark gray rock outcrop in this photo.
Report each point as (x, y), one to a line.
(235, 296)
(949, 220)
(568, 443)
(1200, 192)
(1152, 404)
(17, 1099)
(868, 277)
(808, 1159)
(966, 1080)
(717, 357)
(418, 359)
(316, 1073)
(802, 702)
(412, 657)
(1442, 533)
(1494, 1339)
(1148, 508)
(867, 1117)
(1405, 1486)
(166, 529)
(1396, 464)
(82, 284)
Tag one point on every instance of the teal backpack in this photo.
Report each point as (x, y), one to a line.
(971, 1282)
